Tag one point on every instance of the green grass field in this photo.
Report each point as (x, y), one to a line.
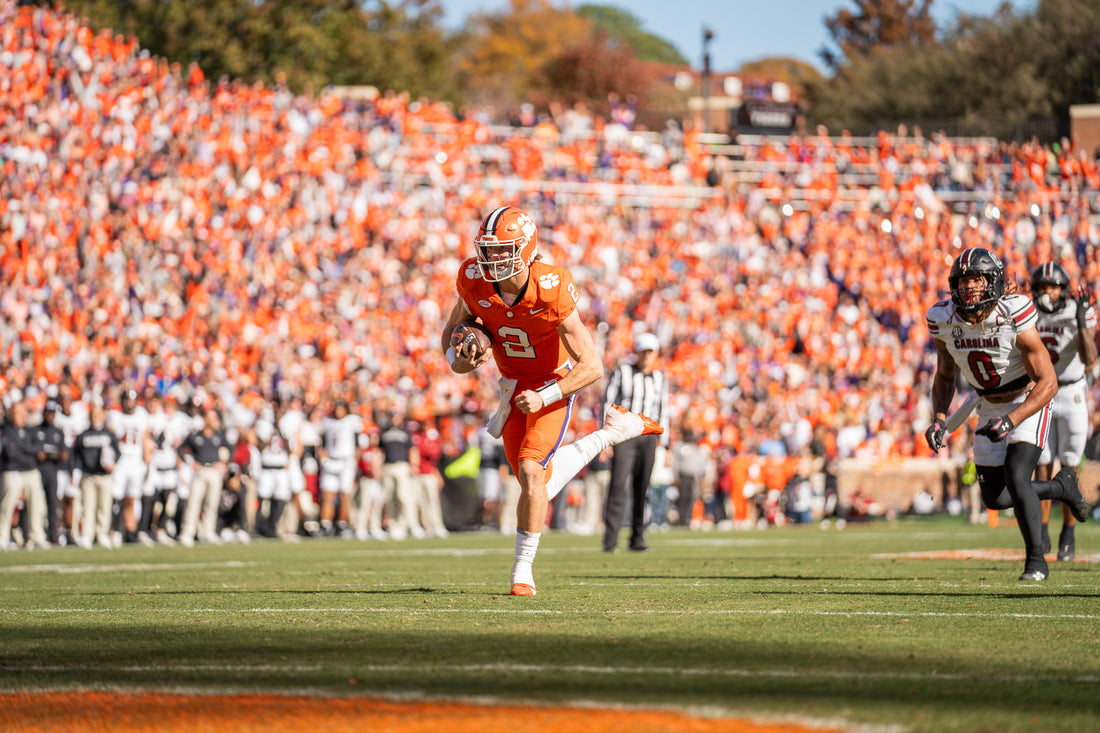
(791, 623)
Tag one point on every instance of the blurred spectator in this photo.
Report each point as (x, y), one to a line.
(690, 464)
(799, 493)
(370, 498)
(595, 479)
(427, 481)
(490, 487)
(659, 480)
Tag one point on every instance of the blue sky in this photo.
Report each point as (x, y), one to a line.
(744, 30)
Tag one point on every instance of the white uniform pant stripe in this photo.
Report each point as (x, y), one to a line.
(1033, 430)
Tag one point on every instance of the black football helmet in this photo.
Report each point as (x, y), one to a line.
(1049, 273)
(977, 261)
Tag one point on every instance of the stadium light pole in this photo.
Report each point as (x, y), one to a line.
(708, 36)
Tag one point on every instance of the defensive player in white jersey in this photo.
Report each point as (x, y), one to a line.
(1067, 327)
(342, 436)
(989, 338)
(130, 423)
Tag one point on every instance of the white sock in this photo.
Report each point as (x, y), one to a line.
(527, 544)
(569, 459)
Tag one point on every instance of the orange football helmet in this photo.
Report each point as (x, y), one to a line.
(507, 242)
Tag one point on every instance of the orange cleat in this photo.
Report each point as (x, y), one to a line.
(522, 589)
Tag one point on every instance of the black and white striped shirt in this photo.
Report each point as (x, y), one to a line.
(644, 394)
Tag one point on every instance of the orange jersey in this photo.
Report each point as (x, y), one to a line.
(526, 343)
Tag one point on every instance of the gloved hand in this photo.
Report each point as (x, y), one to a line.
(996, 429)
(1084, 300)
(935, 434)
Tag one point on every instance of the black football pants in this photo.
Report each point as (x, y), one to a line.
(1010, 486)
(631, 468)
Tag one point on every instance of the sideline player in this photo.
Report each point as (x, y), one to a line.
(131, 424)
(1067, 327)
(168, 426)
(342, 436)
(989, 336)
(545, 355)
(72, 417)
(273, 481)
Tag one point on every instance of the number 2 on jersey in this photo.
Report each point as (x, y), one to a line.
(516, 342)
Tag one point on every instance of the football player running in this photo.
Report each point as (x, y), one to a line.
(545, 355)
(989, 337)
(1067, 327)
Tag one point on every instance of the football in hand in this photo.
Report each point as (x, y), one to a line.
(470, 339)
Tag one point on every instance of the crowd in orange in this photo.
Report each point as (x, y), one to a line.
(158, 228)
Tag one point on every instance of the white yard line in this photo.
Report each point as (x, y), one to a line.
(142, 567)
(433, 668)
(552, 612)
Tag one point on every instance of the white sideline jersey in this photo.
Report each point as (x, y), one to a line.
(275, 450)
(290, 425)
(342, 436)
(73, 424)
(986, 352)
(1059, 333)
(1069, 427)
(169, 430)
(131, 429)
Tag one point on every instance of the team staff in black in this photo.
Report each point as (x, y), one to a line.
(95, 451)
(641, 388)
(399, 454)
(53, 457)
(209, 450)
(21, 478)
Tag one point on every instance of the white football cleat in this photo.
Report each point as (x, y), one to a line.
(624, 425)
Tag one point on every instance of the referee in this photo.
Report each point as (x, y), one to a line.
(640, 388)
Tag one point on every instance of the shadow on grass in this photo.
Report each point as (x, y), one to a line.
(352, 590)
(525, 661)
(1059, 592)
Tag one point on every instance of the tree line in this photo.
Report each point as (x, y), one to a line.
(889, 59)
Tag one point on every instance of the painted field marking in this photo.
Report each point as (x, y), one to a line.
(988, 553)
(503, 667)
(140, 567)
(578, 612)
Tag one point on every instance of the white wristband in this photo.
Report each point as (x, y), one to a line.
(550, 394)
(451, 355)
